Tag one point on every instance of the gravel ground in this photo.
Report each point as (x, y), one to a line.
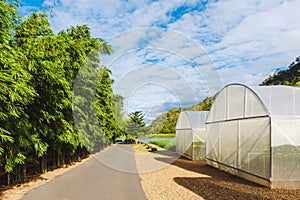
(185, 179)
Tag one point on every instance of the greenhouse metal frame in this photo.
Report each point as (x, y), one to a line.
(190, 134)
(254, 133)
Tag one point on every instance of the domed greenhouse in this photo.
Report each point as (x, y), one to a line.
(254, 133)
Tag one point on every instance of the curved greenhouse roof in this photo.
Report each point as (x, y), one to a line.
(240, 101)
(191, 120)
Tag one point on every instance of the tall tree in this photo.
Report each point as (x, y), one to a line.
(16, 92)
(38, 71)
(136, 123)
(104, 95)
(117, 108)
(46, 55)
(92, 90)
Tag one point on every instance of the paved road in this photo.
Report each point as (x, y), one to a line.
(96, 179)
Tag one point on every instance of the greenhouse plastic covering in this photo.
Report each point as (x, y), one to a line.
(257, 130)
(190, 134)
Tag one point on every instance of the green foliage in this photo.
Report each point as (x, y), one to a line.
(8, 20)
(104, 106)
(37, 25)
(37, 78)
(161, 135)
(137, 117)
(136, 124)
(166, 144)
(117, 107)
(166, 122)
(16, 92)
(290, 76)
(49, 112)
(204, 105)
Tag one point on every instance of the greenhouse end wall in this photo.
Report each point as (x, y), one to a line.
(285, 152)
(252, 136)
(190, 134)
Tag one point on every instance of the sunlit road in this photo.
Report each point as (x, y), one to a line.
(96, 179)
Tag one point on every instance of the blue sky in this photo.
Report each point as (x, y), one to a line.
(199, 46)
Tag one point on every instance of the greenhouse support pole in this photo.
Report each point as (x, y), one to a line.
(238, 144)
(271, 152)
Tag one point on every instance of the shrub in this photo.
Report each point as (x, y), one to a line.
(166, 144)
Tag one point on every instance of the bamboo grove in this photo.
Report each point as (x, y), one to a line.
(37, 76)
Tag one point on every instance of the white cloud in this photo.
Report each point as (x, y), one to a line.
(245, 39)
(150, 56)
(261, 42)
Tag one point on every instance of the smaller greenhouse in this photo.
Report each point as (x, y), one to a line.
(254, 133)
(190, 134)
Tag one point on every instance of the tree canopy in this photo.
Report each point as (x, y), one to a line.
(136, 123)
(38, 71)
(290, 76)
(166, 122)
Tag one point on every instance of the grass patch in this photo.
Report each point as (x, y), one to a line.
(128, 137)
(166, 144)
(139, 148)
(160, 135)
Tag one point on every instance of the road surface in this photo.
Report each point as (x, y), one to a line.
(109, 175)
